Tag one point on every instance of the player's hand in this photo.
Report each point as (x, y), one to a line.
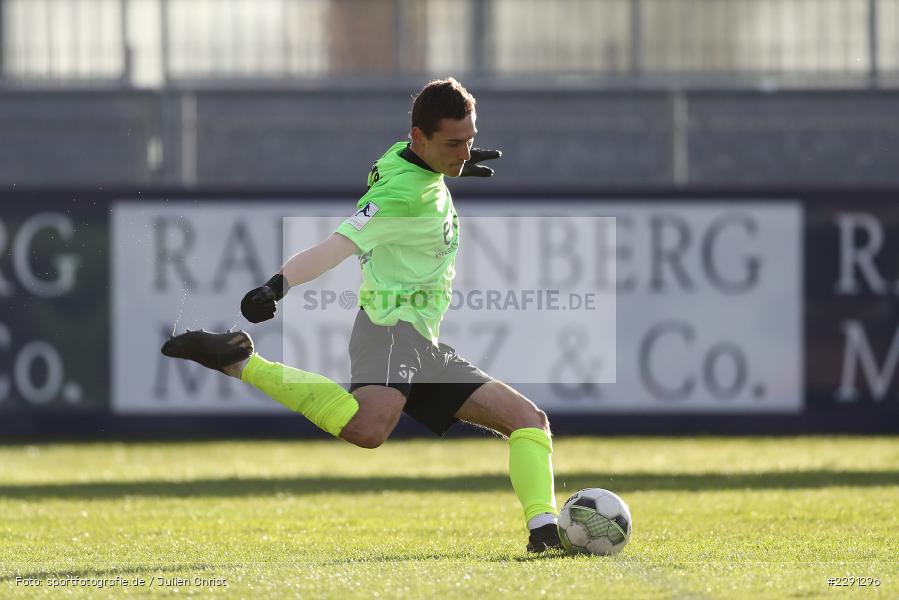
(260, 304)
(473, 169)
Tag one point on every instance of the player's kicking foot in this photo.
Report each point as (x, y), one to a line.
(544, 538)
(219, 351)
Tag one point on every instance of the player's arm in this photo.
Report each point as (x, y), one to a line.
(259, 304)
(309, 264)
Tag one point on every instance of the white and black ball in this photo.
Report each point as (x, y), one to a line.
(595, 521)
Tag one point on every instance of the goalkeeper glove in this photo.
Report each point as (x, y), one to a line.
(473, 169)
(260, 303)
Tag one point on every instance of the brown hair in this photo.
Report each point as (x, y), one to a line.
(440, 99)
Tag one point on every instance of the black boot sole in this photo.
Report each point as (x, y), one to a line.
(212, 350)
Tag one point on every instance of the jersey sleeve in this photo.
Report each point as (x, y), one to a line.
(382, 217)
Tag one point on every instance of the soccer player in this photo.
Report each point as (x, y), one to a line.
(406, 234)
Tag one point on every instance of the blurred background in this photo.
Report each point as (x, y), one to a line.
(611, 93)
(125, 125)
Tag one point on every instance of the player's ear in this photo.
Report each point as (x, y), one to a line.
(418, 136)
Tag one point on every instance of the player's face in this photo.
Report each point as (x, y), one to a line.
(450, 146)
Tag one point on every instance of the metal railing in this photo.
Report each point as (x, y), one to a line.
(152, 43)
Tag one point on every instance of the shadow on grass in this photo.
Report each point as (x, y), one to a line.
(145, 571)
(406, 557)
(234, 487)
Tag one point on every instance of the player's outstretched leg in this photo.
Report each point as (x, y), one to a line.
(316, 397)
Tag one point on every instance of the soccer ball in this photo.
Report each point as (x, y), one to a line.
(595, 521)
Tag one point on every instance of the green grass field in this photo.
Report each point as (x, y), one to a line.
(713, 518)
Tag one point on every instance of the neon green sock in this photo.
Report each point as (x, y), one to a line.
(314, 396)
(531, 471)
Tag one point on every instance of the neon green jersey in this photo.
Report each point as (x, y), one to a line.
(408, 234)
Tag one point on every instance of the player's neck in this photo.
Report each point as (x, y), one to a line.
(414, 156)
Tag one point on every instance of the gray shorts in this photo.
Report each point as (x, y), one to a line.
(435, 380)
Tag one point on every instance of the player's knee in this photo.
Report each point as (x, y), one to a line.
(538, 420)
(370, 441)
(364, 439)
(369, 436)
(529, 416)
(542, 421)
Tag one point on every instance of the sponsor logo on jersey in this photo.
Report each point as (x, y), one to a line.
(363, 215)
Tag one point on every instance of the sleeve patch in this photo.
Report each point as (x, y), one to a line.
(363, 216)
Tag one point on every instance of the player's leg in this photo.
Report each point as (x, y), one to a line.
(380, 408)
(364, 416)
(503, 409)
(321, 400)
(452, 389)
(383, 362)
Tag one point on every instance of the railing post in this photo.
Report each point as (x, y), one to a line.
(680, 141)
(2, 64)
(189, 139)
(401, 17)
(873, 67)
(127, 56)
(164, 40)
(479, 31)
(636, 38)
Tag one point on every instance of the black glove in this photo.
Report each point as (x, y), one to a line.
(473, 169)
(260, 304)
